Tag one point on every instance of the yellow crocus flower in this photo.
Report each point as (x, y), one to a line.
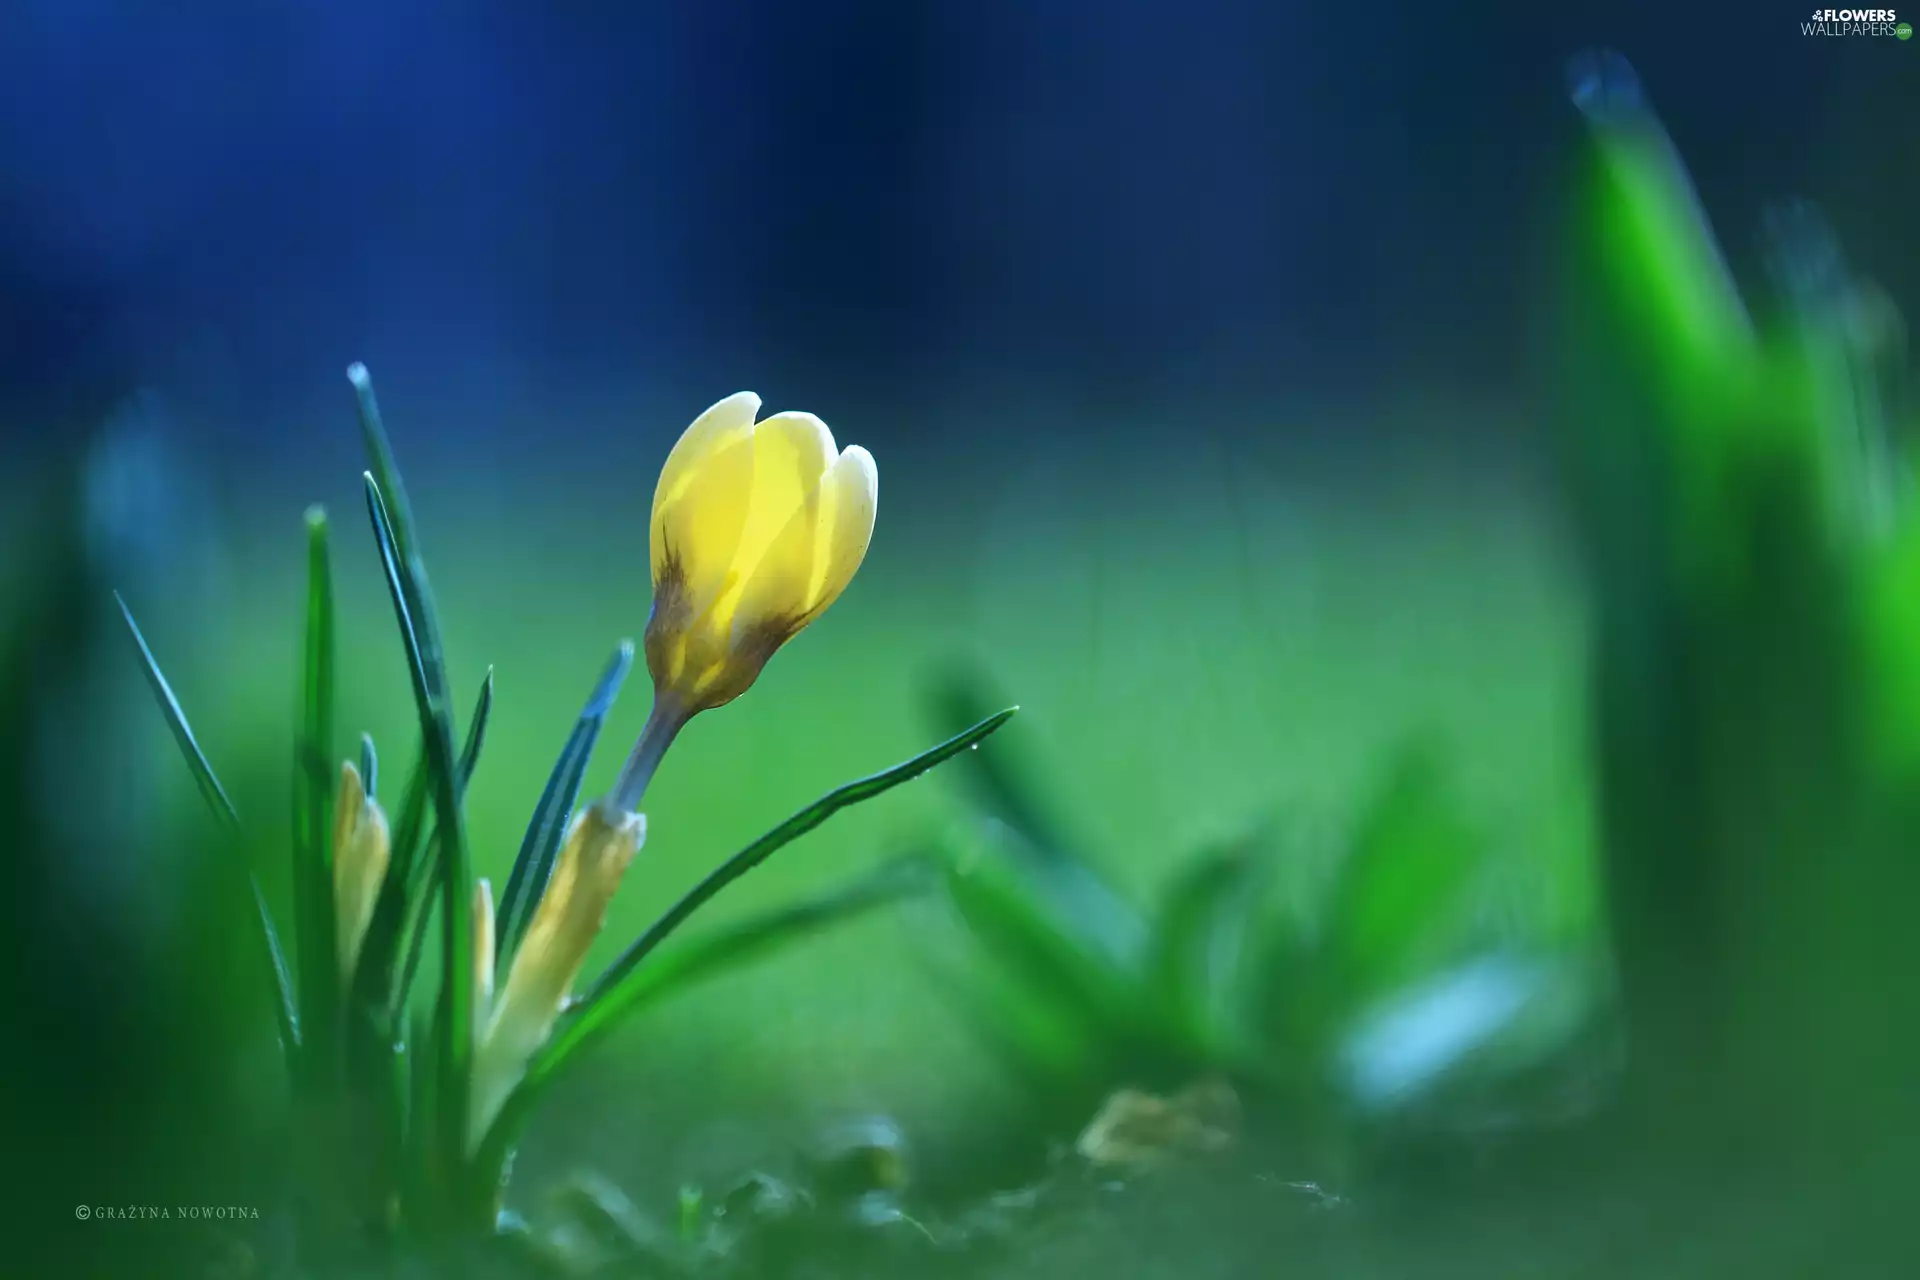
(361, 847)
(757, 528)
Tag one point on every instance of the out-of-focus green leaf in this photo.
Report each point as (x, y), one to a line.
(1701, 421)
(1202, 938)
(1020, 1027)
(314, 914)
(1673, 275)
(1746, 688)
(1013, 930)
(420, 1149)
(541, 845)
(1493, 1016)
(1077, 899)
(216, 798)
(1400, 894)
(1849, 340)
(1890, 628)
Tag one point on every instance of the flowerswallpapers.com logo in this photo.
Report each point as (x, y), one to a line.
(1856, 22)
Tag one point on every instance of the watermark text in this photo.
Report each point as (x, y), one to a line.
(164, 1212)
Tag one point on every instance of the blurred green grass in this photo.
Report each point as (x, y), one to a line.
(1219, 629)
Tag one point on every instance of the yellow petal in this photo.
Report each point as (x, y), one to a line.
(700, 504)
(811, 562)
(361, 847)
(599, 846)
(849, 500)
(791, 452)
(727, 420)
(347, 805)
(777, 554)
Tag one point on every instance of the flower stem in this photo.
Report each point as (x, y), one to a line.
(664, 722)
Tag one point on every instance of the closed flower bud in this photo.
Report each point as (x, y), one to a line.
(599, 845)
(757, 528)
(361, 846)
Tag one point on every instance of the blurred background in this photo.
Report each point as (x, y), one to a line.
(1207, 351)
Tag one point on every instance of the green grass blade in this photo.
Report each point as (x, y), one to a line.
(419, 1143)
(203, 775)
(387, 933)
(313, 908)
(476, 733)
(995, 781)
(402, 909)
(1059, 871)
(375, 979)
(596, 1013)
(413, 609)
(409, 829)
(415, 837)
(216, 797)
(409, 835)
(534, 864)
(386, 473)
(425, 876)
(685, 963)
(766, 846)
